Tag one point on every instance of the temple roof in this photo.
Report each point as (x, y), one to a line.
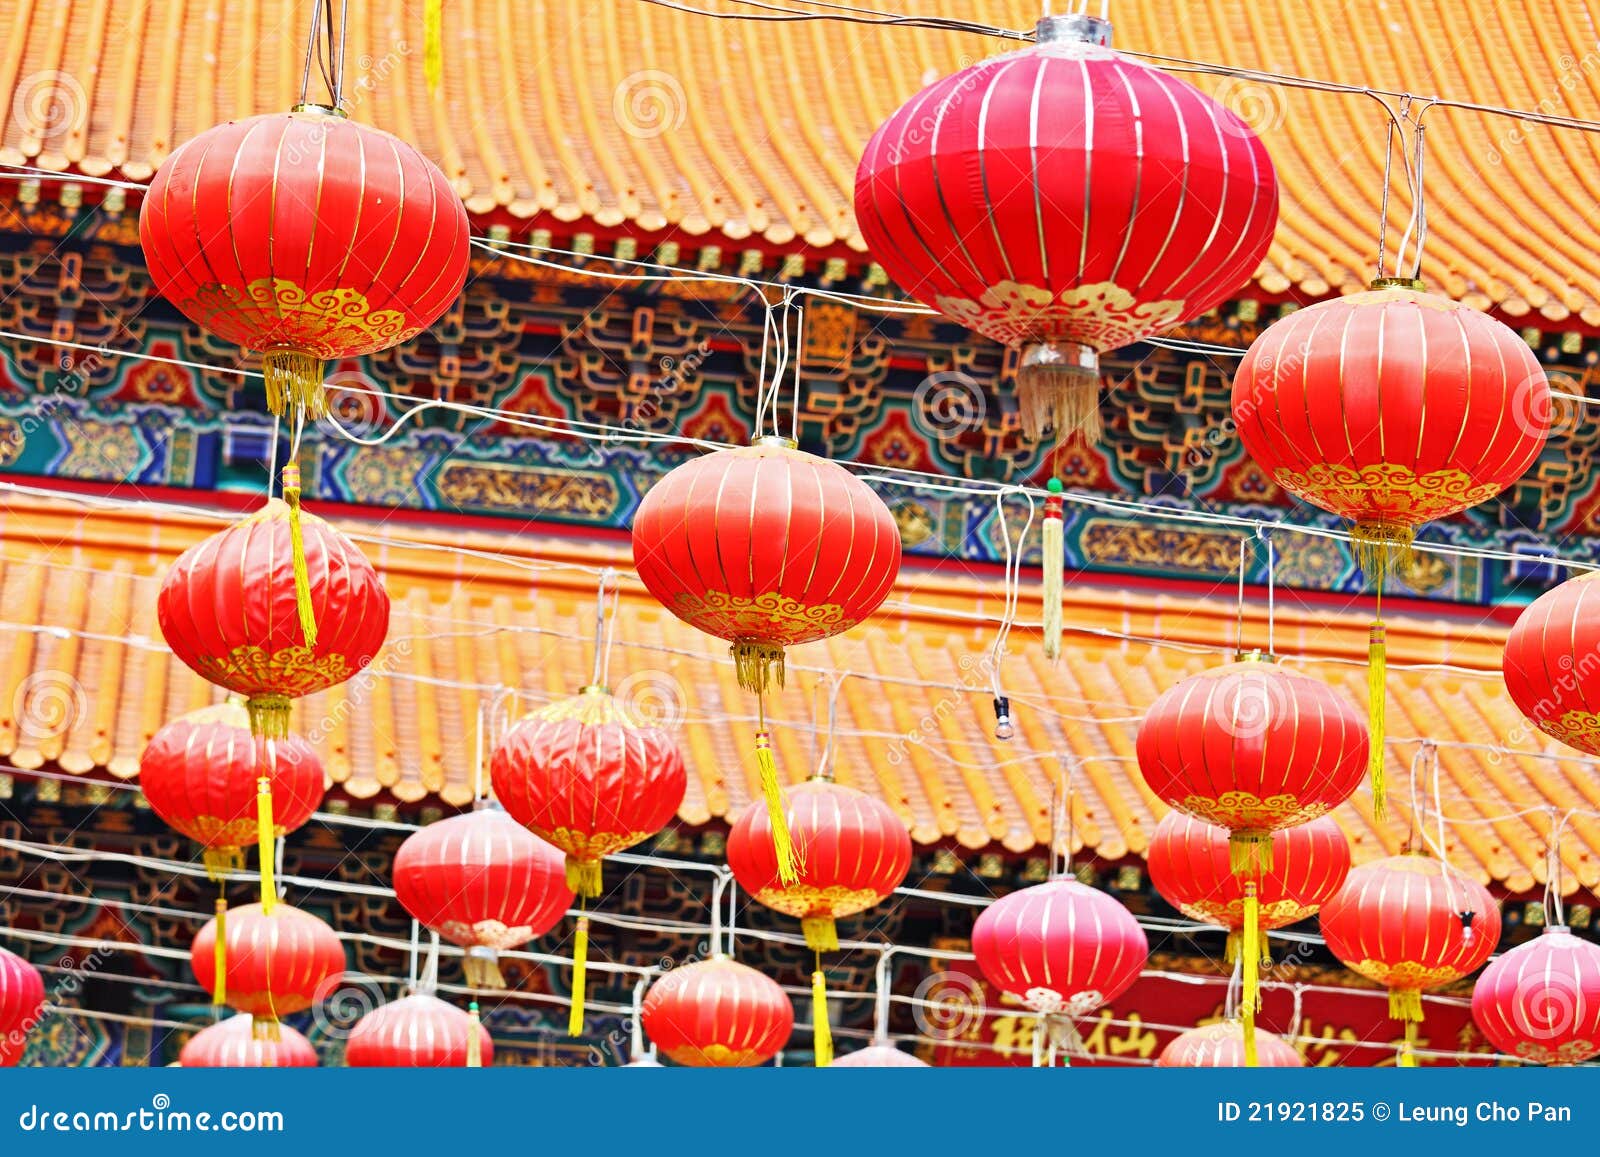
(638, 118)
(86, 681)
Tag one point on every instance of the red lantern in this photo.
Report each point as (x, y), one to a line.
(482, 881)
(418, 1032)
(585, 775)
(1190, 865)
(1060, 947)
(21, 1001)
(1221, 1046)
(1066, 200)
(1411, 923)
(1390, 408)
(230, 609)
(1541, 1000)
(277, 960)
(879, 1056)
(1550, 663)
(766, 547)
(232, 1044)
(304, 236)
(200, 773)
(717, 1013)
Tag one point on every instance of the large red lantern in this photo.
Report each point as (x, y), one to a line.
(1191, 866)
(484, 882)
(21, 1001)
(1221, 1046)
(587, 776)
(1541, 1000)
(1066, 200)
(1060, 947)
(418, 1032)
(717, 1013)
(766, 547)
(304, 236)
(234, 609)
(1550, 663)
(1391, 408)
(201, 774)
(276, 960)
(232, 1044)
(1411, 923)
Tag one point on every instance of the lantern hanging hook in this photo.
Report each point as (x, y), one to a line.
(325, 46)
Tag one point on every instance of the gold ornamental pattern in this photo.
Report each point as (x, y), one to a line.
(718, 1056)
(292, 671)
(1243, 810)
(1570, 1053)
(1575, 728)
(1386, 492)
(1406, 974)
(770, 617)
(488, 933)
(582, 845)
(230, 834)
(274, 312)
(1277, 914)
(806, 900)
(1103, 316)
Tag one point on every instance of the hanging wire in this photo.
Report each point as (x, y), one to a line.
(1238, 624)
(605, 626)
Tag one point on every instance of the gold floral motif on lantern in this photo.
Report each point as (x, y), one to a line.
(716, 1056)
(1405, 974)
(771, 616)
(329, 323)
(1277, 914)
(292, 671)
(806, 900)
(1571, 1053)
(590, 845)
(486, 933)
(1235, 810)
(1103, 316)
(1575, 728)
(1386, 492)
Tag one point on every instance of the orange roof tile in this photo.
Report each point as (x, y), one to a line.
(630, 114)
(85, 680)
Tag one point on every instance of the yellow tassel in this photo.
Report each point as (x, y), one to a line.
(269, 716)
(1053, 563)
(1249, 852)
(1266, 946)
(773, 791)
(1377, 666)
(482, 968)
(583, 877)
(1408, 1051)
(268, 842)
(474, 1042)
(294, 379)
(219, 957)
(220, 861)
(580, 961)
(265, 1028)
(821, 1033)
(297, 552)
(433, 44)
(821, 933)
(1405, 1004)
(1251, 1001)
(758, 666)
(1230, 953)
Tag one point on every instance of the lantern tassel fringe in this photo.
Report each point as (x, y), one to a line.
(269, 716)
(474, 1040)
(482, 969)
(580, 969)
(220, 861)
(1408, 1050)
(219, 957)
(1405, 1004)
(1377, 681)
(821, 934)
(782, 844)
(294, 379)
(1250, 980)
(1235, 942)
(1249, 852)
(1053, 564)
(266, 840)
(297, 553)
(759, 667)
(265, 1028)
(584, 877)
(1058, 390)
(821, 1032)
(433, 44)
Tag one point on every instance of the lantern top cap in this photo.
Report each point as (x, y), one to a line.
(1399, 283)
(776, 441)
(324, 109)
(1549, 928)
(594, 689)
(1074, 28)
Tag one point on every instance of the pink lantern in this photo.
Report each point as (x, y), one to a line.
(1541, 1000)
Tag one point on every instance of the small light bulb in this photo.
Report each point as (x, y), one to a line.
(1002, 718)
(1466, 926)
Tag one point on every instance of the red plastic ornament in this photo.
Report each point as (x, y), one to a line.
(304, 236)
(1190, 865)
(587, 776)
(1551, 665)
(1221, 1046)
(766, 547)
(201, 771)
(418, 1032)
(481, 880)
(279, 960)
(1411, 923)
(1060, 947)
(717, 1013)
(1541, 1000)
(232, 1044)
(21, 1000)
(1066, 200)
(1391, 408)
(231, 609)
